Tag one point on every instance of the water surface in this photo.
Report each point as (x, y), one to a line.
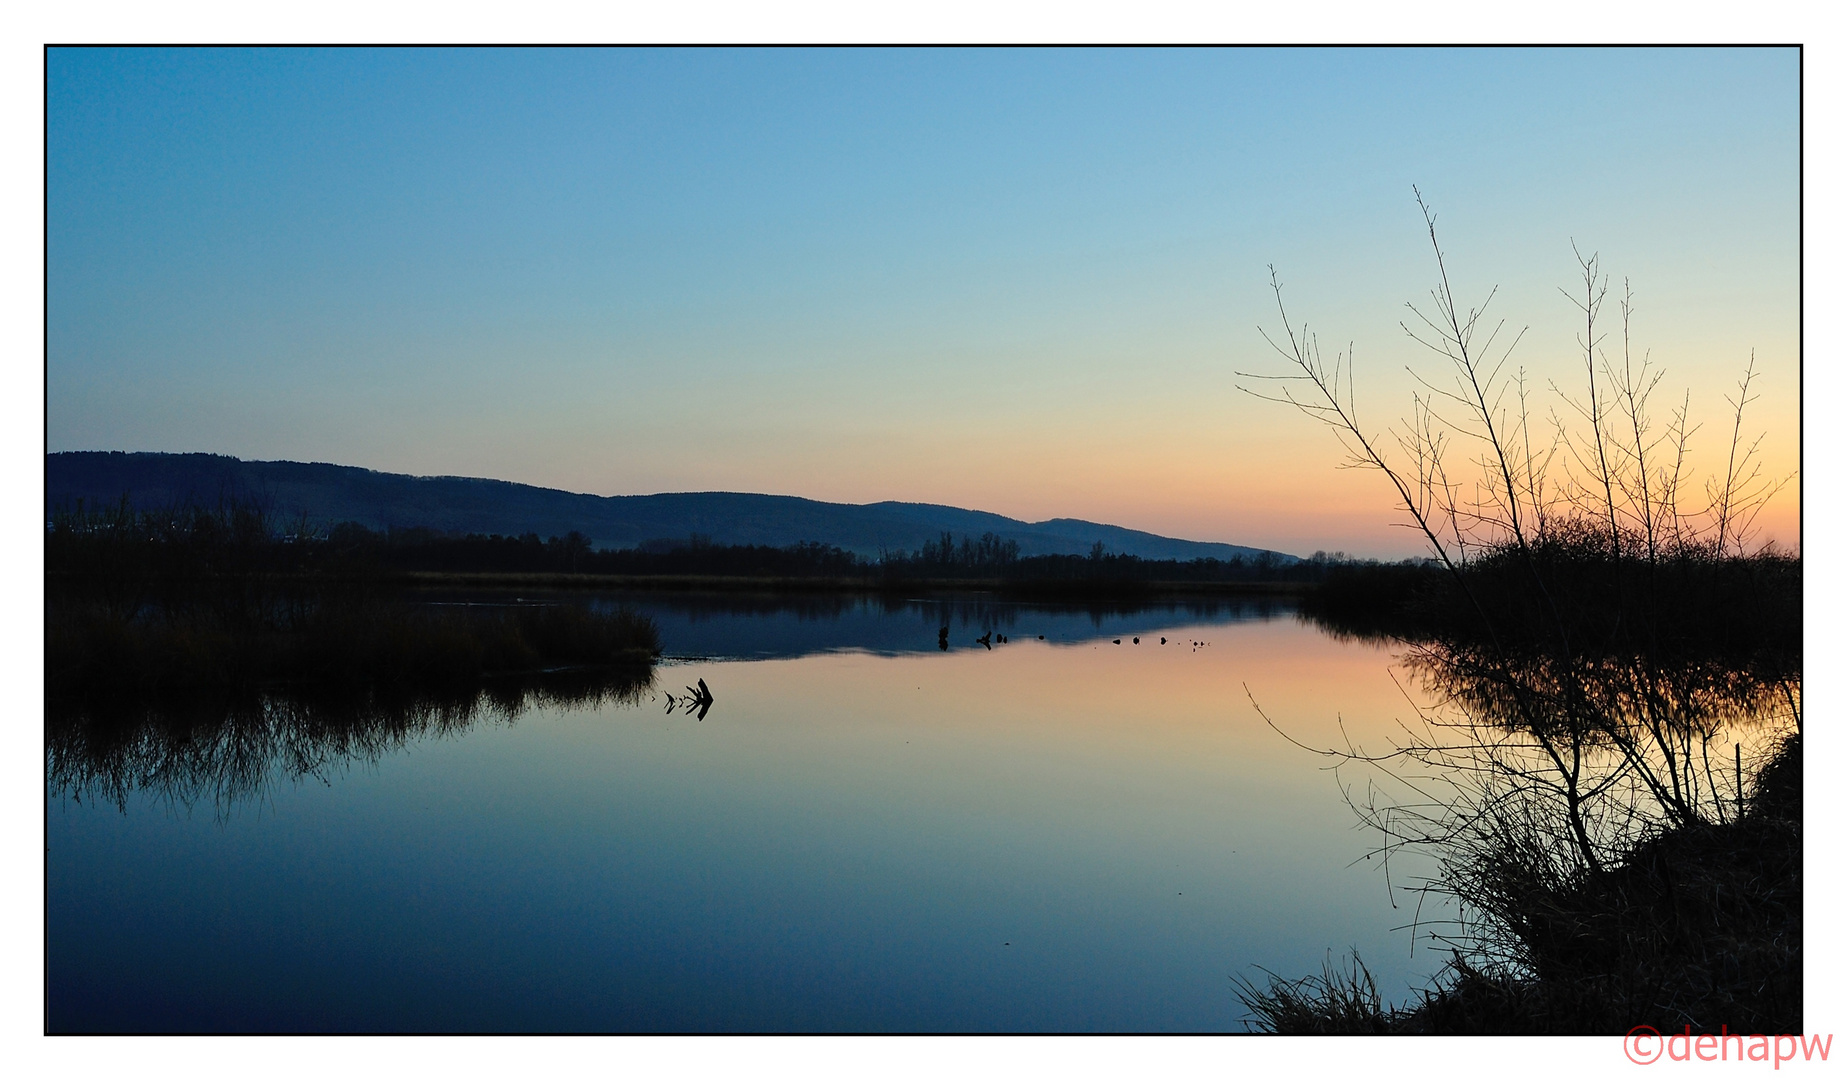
(866, 832)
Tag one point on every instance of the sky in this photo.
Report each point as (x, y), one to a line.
(1015, 281)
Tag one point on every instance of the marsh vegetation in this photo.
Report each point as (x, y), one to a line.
(198, 652)
(1605, 758)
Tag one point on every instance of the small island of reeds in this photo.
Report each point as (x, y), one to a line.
(182, 641)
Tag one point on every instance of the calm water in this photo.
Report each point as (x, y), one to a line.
(865, 832)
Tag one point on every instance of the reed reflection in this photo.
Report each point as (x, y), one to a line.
(198, 654)
(236, 750)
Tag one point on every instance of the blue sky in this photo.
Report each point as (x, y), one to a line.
(1019, 281)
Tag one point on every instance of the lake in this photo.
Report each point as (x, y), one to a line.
(865, 832)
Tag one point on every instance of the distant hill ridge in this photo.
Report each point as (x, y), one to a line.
(329, 494)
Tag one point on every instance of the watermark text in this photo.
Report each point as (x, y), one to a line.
(1645, 1046)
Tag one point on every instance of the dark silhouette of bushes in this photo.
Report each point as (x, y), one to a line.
(1699, 925)
(1596, 652)
(161, 608)
(96, 659)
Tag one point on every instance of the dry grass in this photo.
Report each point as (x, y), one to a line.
(1700, 926)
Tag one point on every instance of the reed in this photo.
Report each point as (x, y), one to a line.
(1699, 925)
(158, 608)
(329, 644)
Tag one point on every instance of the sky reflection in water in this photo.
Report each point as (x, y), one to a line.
(1053, 835)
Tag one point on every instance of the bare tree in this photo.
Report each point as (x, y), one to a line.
(1544, 734)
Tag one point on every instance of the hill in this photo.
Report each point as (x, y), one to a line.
(328, 494)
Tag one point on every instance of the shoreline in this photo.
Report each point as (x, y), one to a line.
(1027, 588)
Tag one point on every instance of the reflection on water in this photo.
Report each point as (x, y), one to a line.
(865, 832)
(715, 626)
(1597, 753)
(240, 750)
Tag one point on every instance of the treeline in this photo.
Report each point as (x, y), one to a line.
(951, 557)
(129, 553)
(989, 556)
(407, 550)
(353, 548)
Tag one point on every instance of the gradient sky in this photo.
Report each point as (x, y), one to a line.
(1013, 281)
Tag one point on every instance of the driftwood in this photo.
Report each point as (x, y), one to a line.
(694, 700)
